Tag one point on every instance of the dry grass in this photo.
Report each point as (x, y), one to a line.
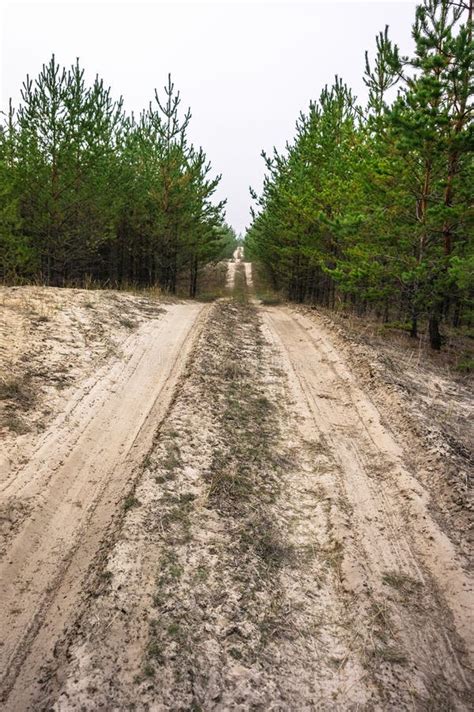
(404, 584)
(18, 390)
(238, 486)
(455, 357)
(18, 396)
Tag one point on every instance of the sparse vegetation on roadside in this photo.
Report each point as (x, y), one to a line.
(127, 323)
(19, 390)
(239, 293)
(130, 501)
(18, 395)
(403, 583)
(209, 297)
(14, 423)
(52, 339)
(269, 300)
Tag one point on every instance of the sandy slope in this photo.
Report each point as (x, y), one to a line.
(72, 484)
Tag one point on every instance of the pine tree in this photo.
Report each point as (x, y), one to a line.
(89, 193)
(16, 256)
(373, 207)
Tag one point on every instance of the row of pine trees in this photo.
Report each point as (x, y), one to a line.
(372, 207)
(91, 194)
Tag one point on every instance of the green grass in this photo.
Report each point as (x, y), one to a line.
(130, 502)
(209, 297)
(465, 364)
(270, 300)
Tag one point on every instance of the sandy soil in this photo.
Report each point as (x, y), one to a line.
(64, 494)
(271, 543)
(428, 407)
(231, 267)
(395, 558)
(50, 340)
(248, 274)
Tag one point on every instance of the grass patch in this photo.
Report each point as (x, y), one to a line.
(465, 364)
(243, 479)
(19, 390)
(127, 323)
(232, 371)
(209, 297)
(389, 654)
(239, 293)
(270, 300)
(235, 653)
(173, 458)
(155, 651)
(130, 502)
(148, 670)
(170, 570)
(202, 573)
(174, 630)
(401, 582)
(267, 544)
(404, 326)
(15, 424)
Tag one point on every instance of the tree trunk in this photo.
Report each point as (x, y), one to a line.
(433, 328)
(193, 278)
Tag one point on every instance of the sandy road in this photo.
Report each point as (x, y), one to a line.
(393, 552)
(293, 565)
(232, 266)
(83, 465)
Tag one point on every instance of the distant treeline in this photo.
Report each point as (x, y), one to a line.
(373, 206)
(89, 193)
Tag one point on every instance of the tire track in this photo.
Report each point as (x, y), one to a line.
(77, 478)
(386, 560)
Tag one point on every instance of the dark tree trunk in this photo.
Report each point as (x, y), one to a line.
(193, 278)
(433, 329)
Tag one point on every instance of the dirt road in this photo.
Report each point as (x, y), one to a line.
(394, 556)
(276, 550)
(231, 268)
(73, 484)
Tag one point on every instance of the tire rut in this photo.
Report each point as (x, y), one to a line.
(396, 577)
(78, 477)
(223, 584)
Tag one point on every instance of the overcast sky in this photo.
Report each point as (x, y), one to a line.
(245, 68)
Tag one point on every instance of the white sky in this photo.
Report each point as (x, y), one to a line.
(245, 68)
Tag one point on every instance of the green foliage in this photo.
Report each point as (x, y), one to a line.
(87, 192)
(372, 206)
